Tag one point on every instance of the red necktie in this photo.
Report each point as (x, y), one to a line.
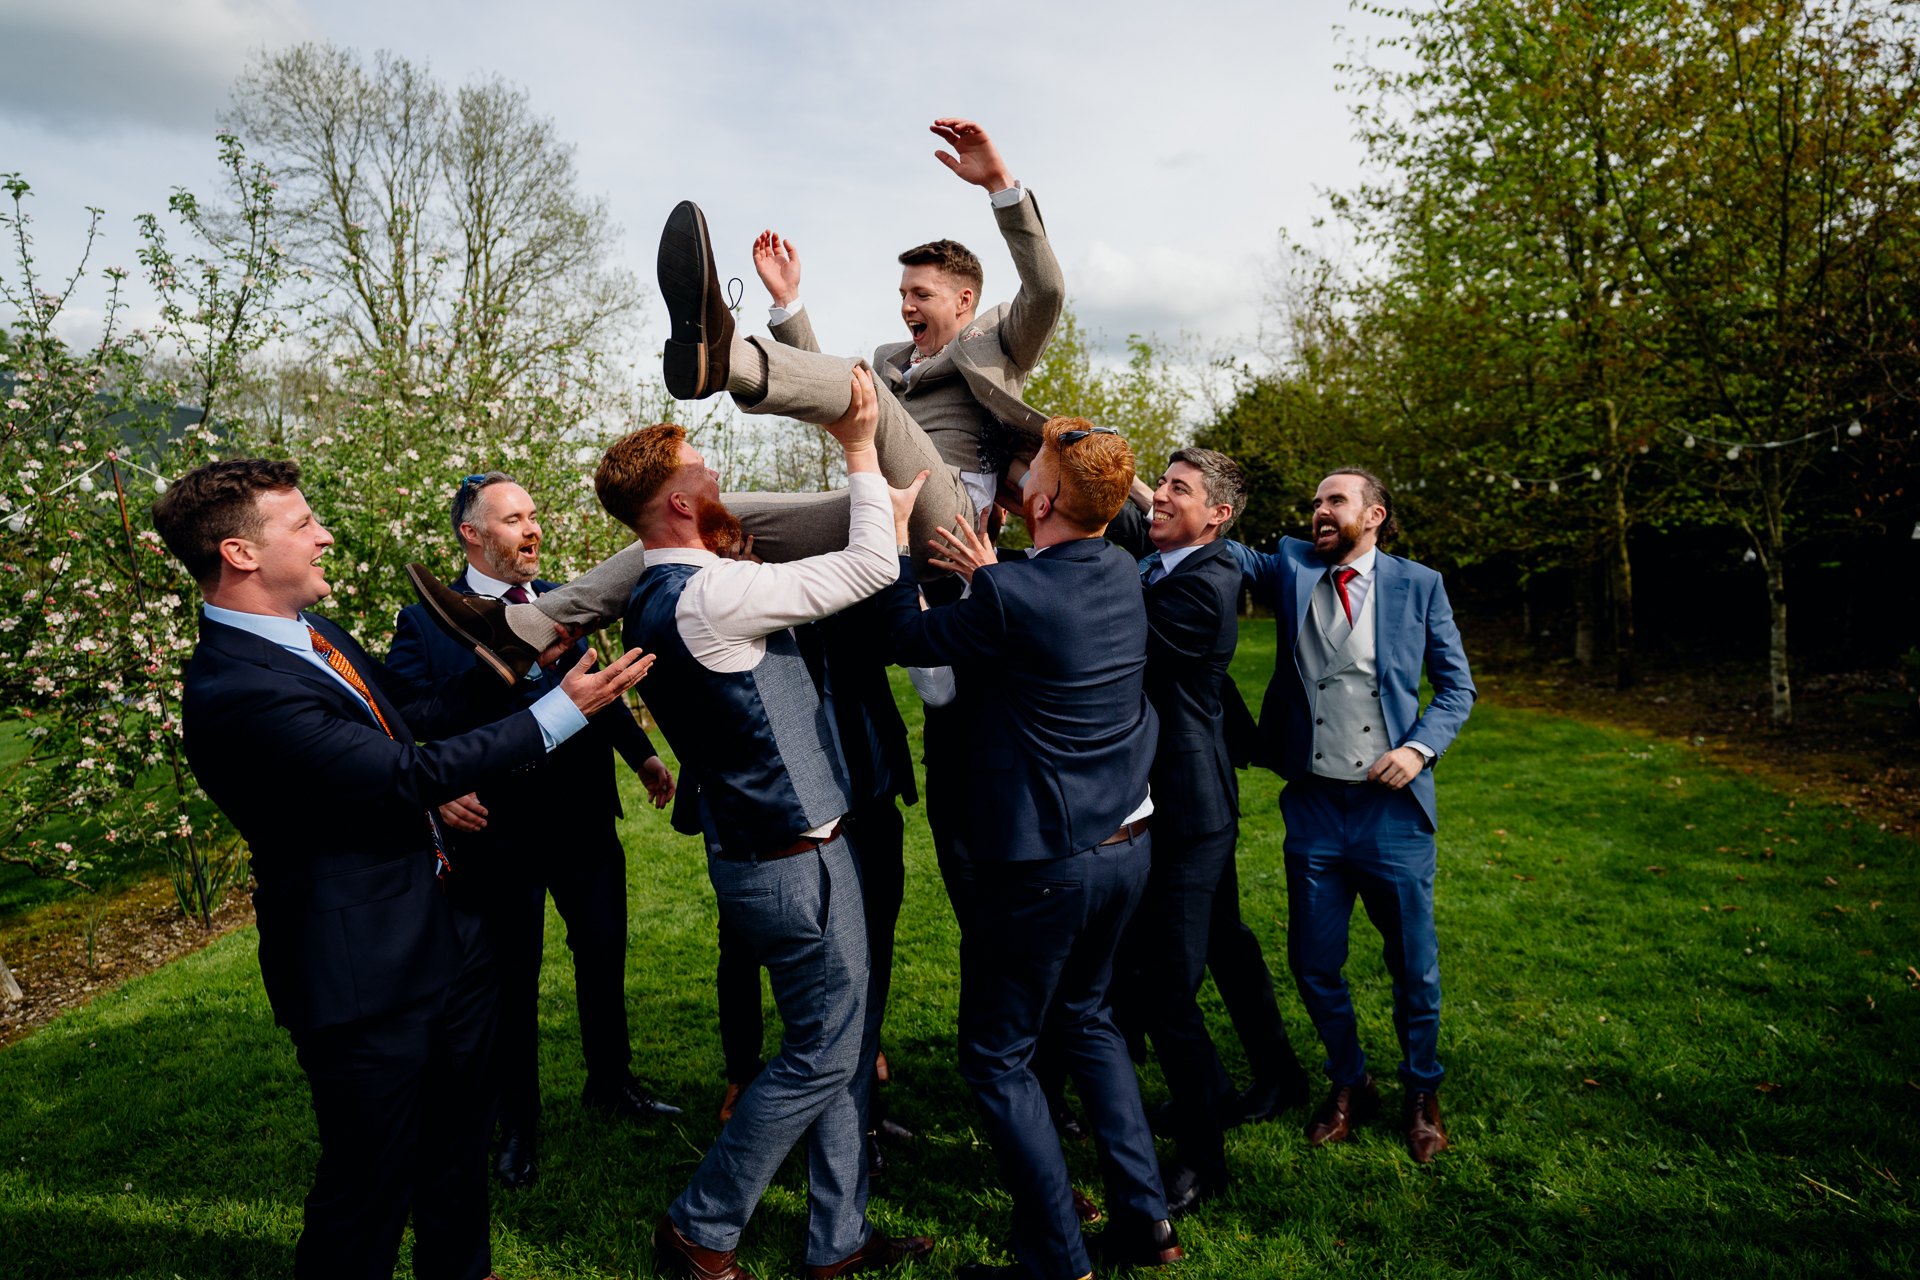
(338, 661)
(1341, 577)
(515, 595)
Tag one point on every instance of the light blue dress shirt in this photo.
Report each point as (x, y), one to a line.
(558, 718)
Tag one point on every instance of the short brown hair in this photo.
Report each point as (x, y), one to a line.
(221, 500)
(635, 468)
(952, 257)
(1095, 474)
(1373, 492)
(1222, 476)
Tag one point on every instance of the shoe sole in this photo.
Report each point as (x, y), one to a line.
(687, 278)
(449, 624)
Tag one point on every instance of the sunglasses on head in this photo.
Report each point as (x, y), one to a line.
(464, 495)
(1066, 438)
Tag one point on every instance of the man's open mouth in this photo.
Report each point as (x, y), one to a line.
(916, 328)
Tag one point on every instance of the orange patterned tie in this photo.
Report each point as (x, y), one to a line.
(338, 661)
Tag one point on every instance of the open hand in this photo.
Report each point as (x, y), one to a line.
(659, 781)
(979, 160)
(1397, 768)
(465, 814)
(592, 690)
(558, 649)
(966, 549)
(778, 263)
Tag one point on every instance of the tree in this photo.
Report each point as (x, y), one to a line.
(446, 227)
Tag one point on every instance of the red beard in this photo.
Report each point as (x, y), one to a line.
(719, 528)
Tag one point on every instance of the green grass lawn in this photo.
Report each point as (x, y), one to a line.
(1606, 1032)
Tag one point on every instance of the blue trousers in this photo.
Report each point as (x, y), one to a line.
(803, 918)
(1370, 842)
(1039, 949)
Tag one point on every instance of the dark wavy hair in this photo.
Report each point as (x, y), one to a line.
(1374, 491)
(221, 500)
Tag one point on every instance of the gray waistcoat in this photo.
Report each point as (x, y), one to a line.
(1337, 665)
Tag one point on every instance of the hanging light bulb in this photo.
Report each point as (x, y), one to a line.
(1595, 473)
(1733, 454)
(1516, 484)
(1750, 557)
(159, 485)
(1553, 486)
(1689, 442)
(1855, 429)
(86, 484)
(18, 521)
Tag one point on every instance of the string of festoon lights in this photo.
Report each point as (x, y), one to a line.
(1734, 448)
(17, 520)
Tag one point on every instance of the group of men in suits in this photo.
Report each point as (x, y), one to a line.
(1081, 784)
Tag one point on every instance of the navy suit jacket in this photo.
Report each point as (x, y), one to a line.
(1050, 655)
(873, 738)
(573, 788)
(1192, 633)
(1414, 627)
(353, 921)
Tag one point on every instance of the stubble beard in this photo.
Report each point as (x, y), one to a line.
(1349, 539)
(503, 562)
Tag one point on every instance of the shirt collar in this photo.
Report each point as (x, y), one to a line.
(1363, 567)
(288, 633)
(679, 555)
(482, 584)
(1170, 560)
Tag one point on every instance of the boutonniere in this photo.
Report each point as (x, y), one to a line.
(975, 332)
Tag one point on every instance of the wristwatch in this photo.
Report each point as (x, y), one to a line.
(905, 550)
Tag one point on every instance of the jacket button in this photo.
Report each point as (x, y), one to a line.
(1376, 693)
(1323, 686)
(1366, 728)
(1316, 755)
(1045, 892)
(1319, 721)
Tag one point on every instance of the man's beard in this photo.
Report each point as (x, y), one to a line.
(720, 530)
(504, 562)
(1348, 539)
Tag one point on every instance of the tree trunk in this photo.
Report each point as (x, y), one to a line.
(1621, 579)
(1583, 615)
(10, 992)
(1526, 610)
(1777, 641)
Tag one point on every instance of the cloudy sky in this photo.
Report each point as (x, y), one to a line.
(1167, 144)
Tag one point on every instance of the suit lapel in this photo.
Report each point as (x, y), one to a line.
(1389, 586)
(1306, 574)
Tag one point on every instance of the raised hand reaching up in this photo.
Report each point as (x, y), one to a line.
(778, 263)
(979, 160)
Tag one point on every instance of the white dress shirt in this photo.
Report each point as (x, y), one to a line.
(729, 607)
(558, 718)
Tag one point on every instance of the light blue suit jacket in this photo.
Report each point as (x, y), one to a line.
(1414, 628)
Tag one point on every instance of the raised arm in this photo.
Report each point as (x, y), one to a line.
(776, 260)
(1259, 573)
(1036, 307)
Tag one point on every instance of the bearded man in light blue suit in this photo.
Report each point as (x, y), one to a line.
(1343, 725)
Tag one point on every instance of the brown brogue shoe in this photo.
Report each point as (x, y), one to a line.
(879, 1251)
(1426, 1135)
(681, 1256)
(479, 623)
(1084, 1208)
(694, 361)
(1346, 1106)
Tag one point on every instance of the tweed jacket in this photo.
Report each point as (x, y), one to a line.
(981, 374)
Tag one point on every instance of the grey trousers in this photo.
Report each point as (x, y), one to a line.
(803, 917)
(813, 388)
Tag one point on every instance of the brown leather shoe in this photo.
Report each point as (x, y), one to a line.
(478, 622)
(1084, 1208)
(1426, 1136)
(1346, 1106)
(879, 1251)
(732, 1100)
(694, 361)
(681, 1256)
(1143, 1244)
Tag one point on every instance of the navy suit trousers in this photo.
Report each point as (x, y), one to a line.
(1374, 843)
(403, 1104)
(1042, 938)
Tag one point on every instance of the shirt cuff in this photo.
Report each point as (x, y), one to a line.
(558, 718)
(1423, 749)
(1011, 196)
(780, 315)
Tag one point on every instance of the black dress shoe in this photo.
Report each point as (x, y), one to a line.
(876, 1159)
(1187, 1187)
(694, 361)
(1142, 1244)
(516, 1166)
(1265, 1099)
(629, 1099)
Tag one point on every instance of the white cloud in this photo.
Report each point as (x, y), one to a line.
(1160, 288)
(79, 64)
